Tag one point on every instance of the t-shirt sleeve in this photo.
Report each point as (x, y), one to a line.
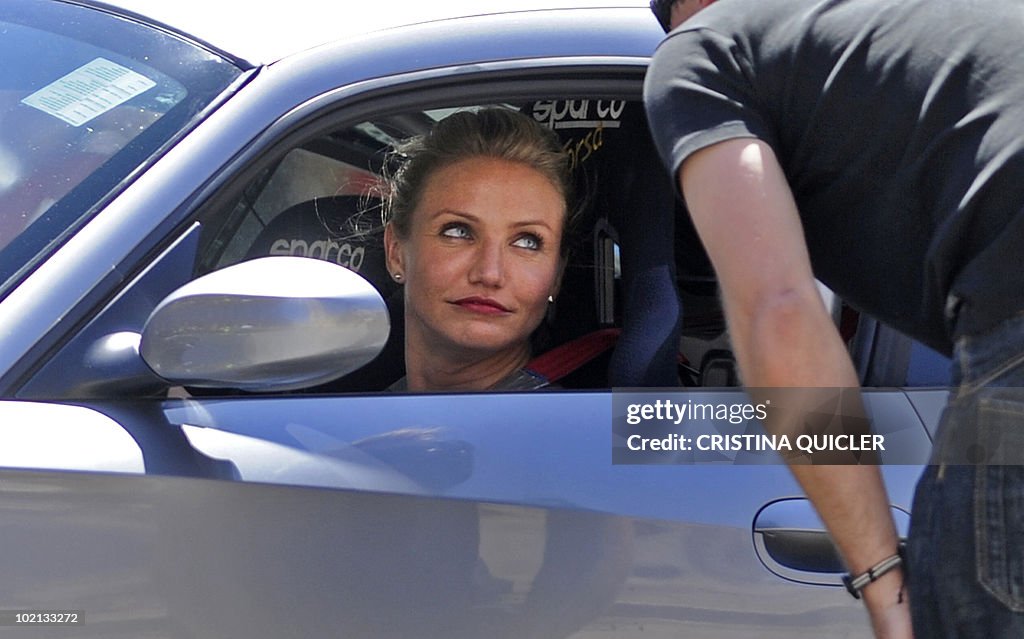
(698, 92)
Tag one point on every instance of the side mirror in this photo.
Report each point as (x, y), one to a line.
(269, 324)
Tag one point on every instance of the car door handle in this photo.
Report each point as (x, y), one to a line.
(791, 542)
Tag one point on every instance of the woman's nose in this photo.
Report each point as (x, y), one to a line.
(488, 265)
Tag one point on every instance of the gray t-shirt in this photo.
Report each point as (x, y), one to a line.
(900, 127)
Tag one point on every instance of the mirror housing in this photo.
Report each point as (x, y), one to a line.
(268, 324)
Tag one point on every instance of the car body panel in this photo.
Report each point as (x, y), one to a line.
(329, 502)
(180, 557)
(538, 450)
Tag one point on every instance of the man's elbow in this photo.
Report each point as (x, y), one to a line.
(775, 326)
(781, 312)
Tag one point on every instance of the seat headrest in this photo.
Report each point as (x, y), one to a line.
(344, 229)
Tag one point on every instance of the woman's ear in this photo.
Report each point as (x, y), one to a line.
(393, 253)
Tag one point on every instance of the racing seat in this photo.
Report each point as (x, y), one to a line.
(622, 271)
(344, 229)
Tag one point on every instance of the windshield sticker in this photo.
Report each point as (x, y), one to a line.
(89, 91)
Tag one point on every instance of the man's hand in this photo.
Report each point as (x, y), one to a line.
(888, 605)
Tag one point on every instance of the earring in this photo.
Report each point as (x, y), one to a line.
(397, 277)
(551, 299)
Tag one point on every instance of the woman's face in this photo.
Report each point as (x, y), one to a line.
(481, 257)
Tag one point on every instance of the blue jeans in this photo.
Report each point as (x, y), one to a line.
(966, 546)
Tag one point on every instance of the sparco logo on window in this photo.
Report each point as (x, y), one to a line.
(579, 114)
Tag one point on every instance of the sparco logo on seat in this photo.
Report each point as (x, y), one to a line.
(345, 254)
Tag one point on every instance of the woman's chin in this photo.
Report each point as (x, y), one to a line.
(483, 342)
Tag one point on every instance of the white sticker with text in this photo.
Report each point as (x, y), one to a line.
(89, 91)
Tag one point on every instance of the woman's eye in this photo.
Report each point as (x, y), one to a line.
(531, 242)
(457, 231)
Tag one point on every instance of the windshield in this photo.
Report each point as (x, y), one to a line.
(86, 98)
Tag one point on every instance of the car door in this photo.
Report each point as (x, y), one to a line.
(198, 513)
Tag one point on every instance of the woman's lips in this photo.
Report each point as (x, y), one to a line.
(482, 305)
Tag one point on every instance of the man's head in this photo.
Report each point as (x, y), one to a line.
(672, 13)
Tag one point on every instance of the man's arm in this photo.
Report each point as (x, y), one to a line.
(783, 336)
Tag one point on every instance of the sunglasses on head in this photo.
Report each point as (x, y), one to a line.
(662, 10)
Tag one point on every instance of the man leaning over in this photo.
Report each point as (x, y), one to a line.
(879, 146)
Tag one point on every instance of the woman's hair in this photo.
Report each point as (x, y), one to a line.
(493, 133)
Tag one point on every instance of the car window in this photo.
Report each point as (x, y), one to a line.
(886, 357)
(85, 98)
(322, 199)
(301, 176)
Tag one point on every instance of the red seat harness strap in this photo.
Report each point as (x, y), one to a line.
(566, 358)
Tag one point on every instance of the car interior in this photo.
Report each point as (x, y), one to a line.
(322, 199)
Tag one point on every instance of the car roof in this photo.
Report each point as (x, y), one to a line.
(273, 31)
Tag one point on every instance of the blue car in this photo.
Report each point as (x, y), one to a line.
(196, 341)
